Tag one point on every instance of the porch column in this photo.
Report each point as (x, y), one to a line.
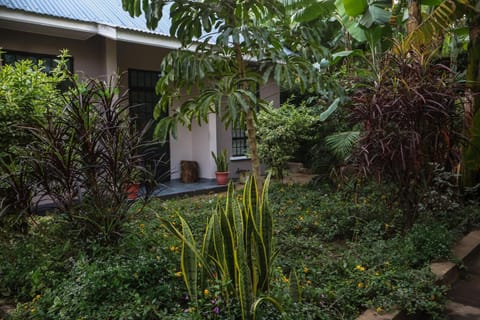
(212, 143)
(111, 63)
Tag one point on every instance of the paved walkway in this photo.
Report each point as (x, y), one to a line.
(465, 294)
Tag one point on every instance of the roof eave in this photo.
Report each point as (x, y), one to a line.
(79, 30)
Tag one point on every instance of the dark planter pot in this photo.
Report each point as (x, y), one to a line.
(222, 177)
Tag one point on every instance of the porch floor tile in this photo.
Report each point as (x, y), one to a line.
(176, 188)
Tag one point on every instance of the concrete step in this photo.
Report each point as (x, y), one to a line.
(466, 291)
(458, 311)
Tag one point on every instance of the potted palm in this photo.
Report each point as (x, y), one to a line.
(222, 166)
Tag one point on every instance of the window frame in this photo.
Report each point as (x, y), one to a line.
(25, 55)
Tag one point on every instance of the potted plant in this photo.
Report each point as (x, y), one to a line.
(222, 166)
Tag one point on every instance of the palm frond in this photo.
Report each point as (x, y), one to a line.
(429, 33)
(342, 143)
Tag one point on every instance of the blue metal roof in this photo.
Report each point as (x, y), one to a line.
(107, 12)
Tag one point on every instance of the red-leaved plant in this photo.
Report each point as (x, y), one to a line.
(410, 120)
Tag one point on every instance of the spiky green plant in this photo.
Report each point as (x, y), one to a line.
(237, 250)
(221, 160)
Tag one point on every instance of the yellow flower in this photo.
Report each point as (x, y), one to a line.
(387, 226)
(285, 279)
(178, 274)
(142, 226)
(379, 309)
(173, 249)
(33, 310)
(309, 283)
(300, 218)
(306, 270)
(157, 257)
(360, 268)
(206, 292)
(377, 273)
(361, 285)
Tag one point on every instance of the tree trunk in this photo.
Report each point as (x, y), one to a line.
(249, 121)
(471, 155)
(473, 67)
(252, 143)
(414, 15)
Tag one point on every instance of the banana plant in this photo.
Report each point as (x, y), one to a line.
(237, 250)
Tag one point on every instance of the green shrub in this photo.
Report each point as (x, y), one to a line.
(281, 133)
(28, 95)
(115, 287)
(34, 261)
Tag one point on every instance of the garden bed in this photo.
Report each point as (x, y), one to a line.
(340, 252)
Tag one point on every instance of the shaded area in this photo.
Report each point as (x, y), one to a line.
(465, 294)
(176, 188)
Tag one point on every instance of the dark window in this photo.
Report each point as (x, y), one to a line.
(10, 57)
(239, 142)
(142, 98)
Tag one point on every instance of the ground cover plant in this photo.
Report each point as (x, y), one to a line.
(338, 252)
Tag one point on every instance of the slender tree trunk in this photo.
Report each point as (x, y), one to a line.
(414, 15)
(249, 121)
(471, 155)
(252, 143)
(473, 67)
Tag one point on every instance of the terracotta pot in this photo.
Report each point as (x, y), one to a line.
(132, 191)
(222, 177)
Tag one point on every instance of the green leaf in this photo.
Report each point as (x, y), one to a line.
(189, 262)
(314, 11)
(375, 15)
(337, 56)
(355, 7)
(333, 106)
(431, 2)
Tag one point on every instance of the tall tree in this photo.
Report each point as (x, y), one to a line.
(414, 15)
(229, 49)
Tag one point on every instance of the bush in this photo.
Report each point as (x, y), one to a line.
(85, 157)
(281, 132)
(28, 95)
(410, 119)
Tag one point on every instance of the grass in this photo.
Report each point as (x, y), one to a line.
(339, 252)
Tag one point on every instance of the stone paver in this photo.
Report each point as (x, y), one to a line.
(457, 311)
(464, 297)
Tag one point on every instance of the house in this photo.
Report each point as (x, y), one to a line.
(103, 39)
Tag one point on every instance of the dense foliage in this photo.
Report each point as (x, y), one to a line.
(281, 132)
(84, 158)
(410, 121)
(338, 253)
(28, 96)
